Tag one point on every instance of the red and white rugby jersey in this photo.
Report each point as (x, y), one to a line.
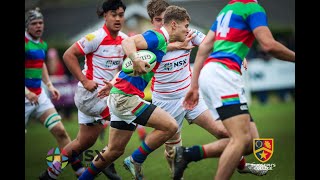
(103, 55)
(173, 77)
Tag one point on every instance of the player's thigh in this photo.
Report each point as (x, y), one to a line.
(214, 127)
(161, 120)
(88, 134)
(174, 108)
(118, 138)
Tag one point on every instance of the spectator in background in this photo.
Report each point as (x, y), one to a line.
(57, 73)
(56, 68)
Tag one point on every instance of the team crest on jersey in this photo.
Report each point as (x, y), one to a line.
(90, 37)
(263, 148)
(110, 63)
(167, 66)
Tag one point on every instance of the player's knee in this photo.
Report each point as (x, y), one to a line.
(53, 123)
(173, 128)
(248, 139)
(244, 140)
(59, 132)
(221, 133)
(52, 120)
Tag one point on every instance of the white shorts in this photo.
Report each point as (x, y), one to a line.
(126, 108)
(91, 105)
(37, 110)
(175, 108)
(86, 119)
(220, 86)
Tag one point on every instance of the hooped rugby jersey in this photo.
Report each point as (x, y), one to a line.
(173, 76)
(34, 57)
(157, 41)
(234, 32)
(103, 55)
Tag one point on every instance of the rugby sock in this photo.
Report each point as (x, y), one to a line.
(76, 164)
(140, 154)
(242, 163)
(194, 153)
(90, 172)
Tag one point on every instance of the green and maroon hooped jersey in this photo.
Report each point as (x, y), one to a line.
(35, 54)
(233, 29)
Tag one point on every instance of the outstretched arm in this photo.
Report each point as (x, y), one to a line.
(270, 45)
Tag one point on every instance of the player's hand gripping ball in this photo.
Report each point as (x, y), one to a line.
(145, 55)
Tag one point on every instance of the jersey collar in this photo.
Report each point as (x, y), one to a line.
(165, 33)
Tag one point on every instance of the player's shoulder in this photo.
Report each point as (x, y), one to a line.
(96, 35)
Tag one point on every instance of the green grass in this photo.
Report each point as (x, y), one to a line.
(274, 120)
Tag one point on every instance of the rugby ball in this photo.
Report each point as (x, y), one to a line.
(150, 57)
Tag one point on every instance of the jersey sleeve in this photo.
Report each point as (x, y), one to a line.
(89, 43)
(256, 16)
(199, 37)
(214, 26)
(151, 39)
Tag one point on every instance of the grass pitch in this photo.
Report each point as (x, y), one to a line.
(274, 120)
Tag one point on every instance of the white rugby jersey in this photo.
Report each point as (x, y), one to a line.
(173, 77)
(103, 55)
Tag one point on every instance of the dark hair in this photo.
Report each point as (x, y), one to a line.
(110, 5)
(156, 7)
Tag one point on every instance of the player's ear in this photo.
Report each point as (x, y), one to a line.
(174, 24)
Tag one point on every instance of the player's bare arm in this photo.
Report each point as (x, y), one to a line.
(70, 58)
(46, 79)
(270, 45)
(130, 46)
(182, 45)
